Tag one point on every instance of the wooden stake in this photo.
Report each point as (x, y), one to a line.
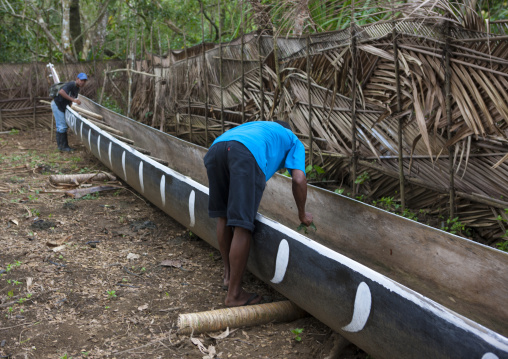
(309, 95)
(103, 85)
(400, 119)
(220, 72)
(162, 117)
(205, 79)
(448, 95)
(261, 87)
(353, 102)
(242, 46)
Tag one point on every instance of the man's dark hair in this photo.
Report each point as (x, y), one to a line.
(283, 124)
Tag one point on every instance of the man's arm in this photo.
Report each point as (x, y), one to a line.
(300, 195)
(67, 97)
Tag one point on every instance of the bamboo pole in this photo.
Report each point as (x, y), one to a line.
(448, 95)
(309, 95)
(353, 102)
(400, 118)
(204, 72)
(1, 121)
(36, 75)
(220, 319)
(261, 87)
(220, 72)
(127, 52)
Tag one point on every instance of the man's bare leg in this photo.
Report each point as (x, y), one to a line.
(224, 237)
(238, 255)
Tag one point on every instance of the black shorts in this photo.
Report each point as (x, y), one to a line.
(236, 184)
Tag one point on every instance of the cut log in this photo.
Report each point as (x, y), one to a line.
(86, 112)
(142, 150)
(82, 178)
(221, 319)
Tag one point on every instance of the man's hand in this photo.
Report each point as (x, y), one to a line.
(306, 219)
(77, 101)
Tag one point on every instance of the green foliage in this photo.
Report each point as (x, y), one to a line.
(14, 132)
(410, 214)
(297, 332)
(339, 190)
(361, 179)
(454, 226)
(503, 245)
(314, 172)
(305, 228)
(111, 294)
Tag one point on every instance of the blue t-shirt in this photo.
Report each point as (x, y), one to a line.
(273, 146)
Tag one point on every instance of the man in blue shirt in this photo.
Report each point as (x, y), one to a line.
(67, 95)
(238, 164)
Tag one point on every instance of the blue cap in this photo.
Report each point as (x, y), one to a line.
(82, 76)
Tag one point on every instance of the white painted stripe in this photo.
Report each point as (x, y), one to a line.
(163, 190)
(123, 167)
(363, 305)
(81, 131)
(192, 203)
(140, 173)
(437, 309)
(109, 154)
(89, 138)
(281, 263)
(99, 146)
(490, 356)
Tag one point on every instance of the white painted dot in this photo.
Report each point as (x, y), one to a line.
(109, 154)
(281, 263)
(163, 190)
(363, 304)
(140, 174)
(81, 131)
(192, 200)
(89, 139)
(99, 146)
(123, 167)
(490, 356)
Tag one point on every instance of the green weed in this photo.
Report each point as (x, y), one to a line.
(297, 332)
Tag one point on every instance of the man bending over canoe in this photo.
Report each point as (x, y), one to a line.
(238, 164)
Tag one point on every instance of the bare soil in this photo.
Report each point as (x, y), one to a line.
(86, 298)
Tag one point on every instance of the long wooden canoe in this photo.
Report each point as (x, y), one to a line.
(394, 287)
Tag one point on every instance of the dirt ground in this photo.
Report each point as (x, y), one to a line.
(102, 291)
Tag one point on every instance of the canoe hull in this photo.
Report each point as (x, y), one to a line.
(383, 317)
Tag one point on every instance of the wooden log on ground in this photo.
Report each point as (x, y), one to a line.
(82, 178)
(220, 319)
(86, 112)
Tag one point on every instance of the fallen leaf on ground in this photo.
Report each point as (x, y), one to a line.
(57, 242)
(223, 335)
(132, 256)
(143, 307)
(14, 220)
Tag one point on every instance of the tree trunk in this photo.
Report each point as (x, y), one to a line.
(66, 31)
(75, 25)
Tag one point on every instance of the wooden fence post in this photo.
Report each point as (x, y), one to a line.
(261, 87)
(353, 102)
(400, 119)
(448, 79)
(220, 72)
(242, 30)
(309, 95)
(204, 71)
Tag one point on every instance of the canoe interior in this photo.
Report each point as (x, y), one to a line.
(464, 276)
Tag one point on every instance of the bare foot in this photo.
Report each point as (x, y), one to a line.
(244, 298)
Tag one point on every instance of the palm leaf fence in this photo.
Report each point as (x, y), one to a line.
(22, 86)
(453, 154)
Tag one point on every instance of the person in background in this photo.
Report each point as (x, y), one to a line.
(67, 95)
(238, 164)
